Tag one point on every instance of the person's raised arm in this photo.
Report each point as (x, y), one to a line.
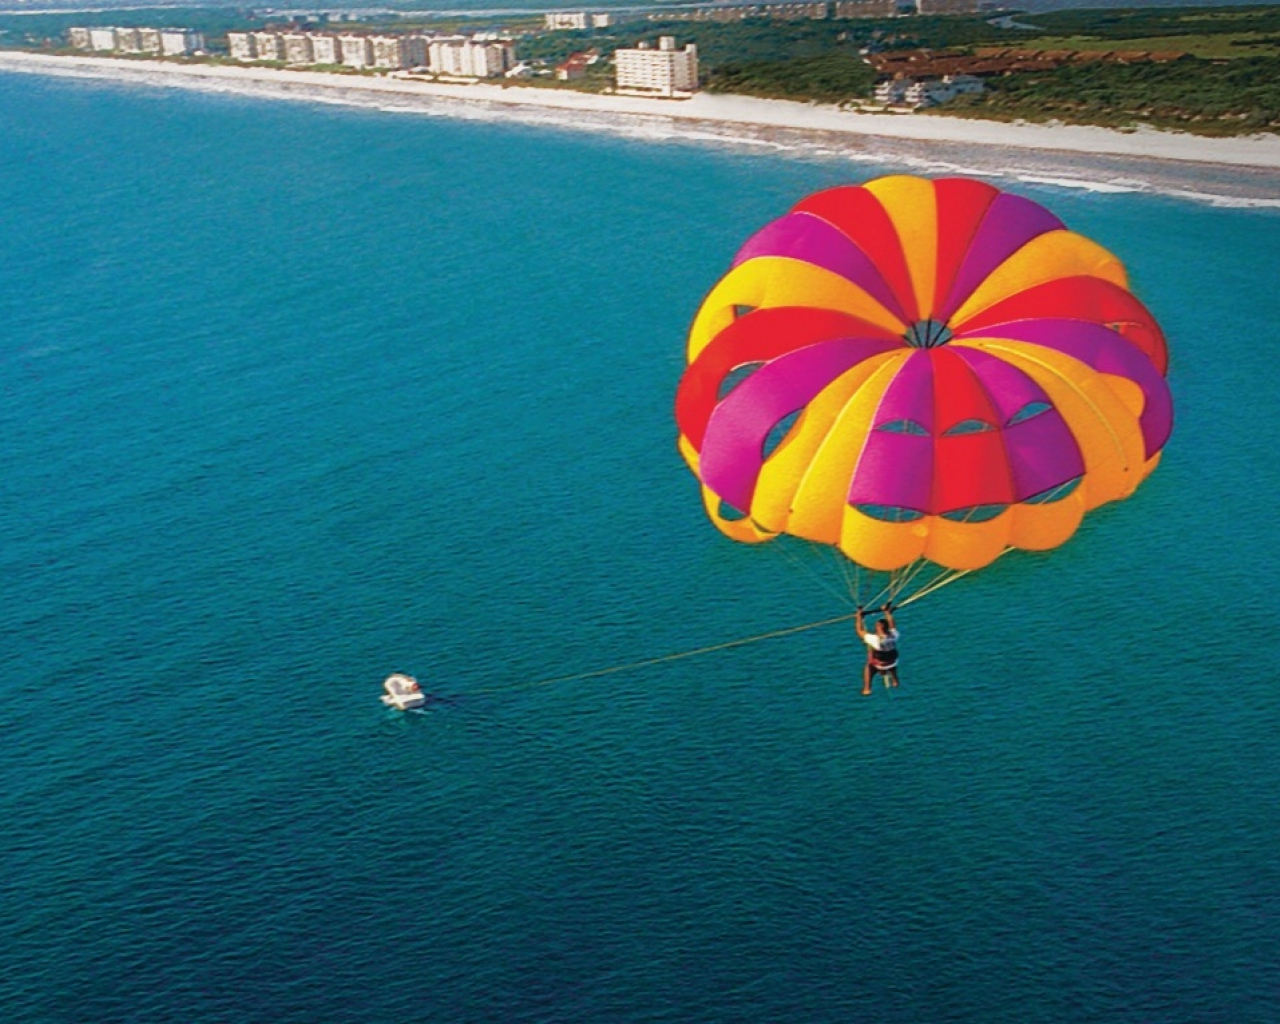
(859, 624)
(888, 615)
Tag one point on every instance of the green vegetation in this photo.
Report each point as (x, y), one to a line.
(1191, 94)
(1151, 23)
(1226, 32)
(1225, 45)
(833, 78)
(759, 40)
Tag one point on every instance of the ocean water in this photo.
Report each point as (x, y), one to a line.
(295, 396)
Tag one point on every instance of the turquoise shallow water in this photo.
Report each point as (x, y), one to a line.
(293, 397)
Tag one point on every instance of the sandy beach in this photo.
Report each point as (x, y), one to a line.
(1107, 158)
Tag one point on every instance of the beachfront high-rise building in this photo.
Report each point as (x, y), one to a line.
(461, 57)
(665, 71)
(180, 42)
(388, 51)
(414, 51)
(268, 45)
(240, 46)
(325, 48)
(127, 40)
(356, 52)
(444, 55)
(136, 40)
(493, 58)
(102, 39)
(297, 47)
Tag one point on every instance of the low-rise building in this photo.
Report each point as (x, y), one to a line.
(797, 12)
(866, 8)
(779, 12)
(149, 41)
(601, 20)
(926, 92)
(573, 68)
(665, 71)
(949, 6)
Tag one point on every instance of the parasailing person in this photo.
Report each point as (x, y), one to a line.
(882, 650)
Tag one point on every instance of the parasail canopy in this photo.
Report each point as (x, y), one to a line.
(916, 369)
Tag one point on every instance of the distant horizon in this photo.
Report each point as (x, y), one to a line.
(449, 8)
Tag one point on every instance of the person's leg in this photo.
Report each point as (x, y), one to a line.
(866, 680)
(891, 677)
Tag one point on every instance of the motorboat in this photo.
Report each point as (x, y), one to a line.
(403, 692)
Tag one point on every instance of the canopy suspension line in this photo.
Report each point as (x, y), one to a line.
(630, 666)
(807, 566)
(937, 583)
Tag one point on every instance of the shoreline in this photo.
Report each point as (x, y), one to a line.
(1232, 170)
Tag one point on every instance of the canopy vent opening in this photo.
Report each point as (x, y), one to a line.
(927, 334)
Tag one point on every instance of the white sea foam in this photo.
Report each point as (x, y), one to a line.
(1078, 183)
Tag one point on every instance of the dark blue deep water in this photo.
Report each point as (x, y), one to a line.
(292, 397)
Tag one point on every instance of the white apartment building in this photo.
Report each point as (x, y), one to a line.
(601, 20)
(268, 45)
(356, 52)
(665, 71)
(127, 40)
(388, 51)
(444, 55)
(325, 49)
(180, 42)
(468, 58)
(926, 92)
(297, 47)
(557, 20)
(135, 40)
(415, 51)
(102, 38)
(240, 46)
(492, 59)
